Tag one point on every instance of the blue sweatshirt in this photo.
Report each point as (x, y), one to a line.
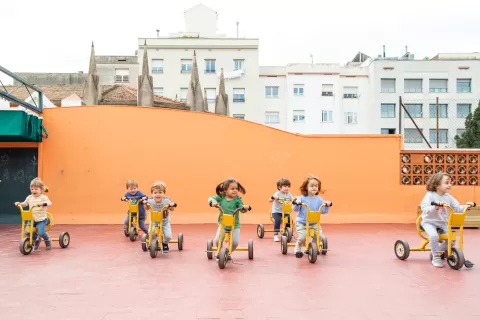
(314, 203)
(137, 196)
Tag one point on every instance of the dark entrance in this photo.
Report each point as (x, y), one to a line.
(18, 166)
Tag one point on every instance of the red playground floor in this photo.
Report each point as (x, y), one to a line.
(104, 276)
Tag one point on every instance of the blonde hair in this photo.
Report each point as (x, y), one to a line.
(131, 183)
(159, 185)
(37, 182)
(436, 180)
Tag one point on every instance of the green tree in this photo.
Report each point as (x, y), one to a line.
(470, 139)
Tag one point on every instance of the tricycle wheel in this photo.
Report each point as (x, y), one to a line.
(457, 260)
(25, 246)
(209, 249)
(154, 248)
(324, 246)
(223, 258)
(250, 249)
(260, 231)
(284, 245)
(125, 232)
(180, 241)
(144, 243)
(402, 249)
(133, 234)
(64, 240)
(288, 234)
(312, 252)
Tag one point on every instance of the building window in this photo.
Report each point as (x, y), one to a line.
(238, 64)
(157, 65)
(271, 92)
(298, 89)
(186, 65)
(210, 66)
(412, 136)
(387, 131)
(183, 94)
(239, 116)
(463, 110)
(121, 75)
(460, 132)
(464, 85)
(327, 116)
(350, 117)
(388, 110)
(211, 94)
(442, 136)
(415, 110)
(327, 90)
(239, 95)
(442, 110)
(413, 85)
(438, 85)
(158, 91)
(350, 92)
(387, 85)
(272, 117)
(299, 116)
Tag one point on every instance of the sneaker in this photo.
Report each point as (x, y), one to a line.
(299, 254)
(36, 243)
(437, 261)
(276, 238)
(165, 248)
(48, 244)
(217, 258)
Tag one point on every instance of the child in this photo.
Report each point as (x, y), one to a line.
(283, 185)
(227, 197)
(310, 188)
(37, 188)
(134, 194)
(436, 217)
(158, 201)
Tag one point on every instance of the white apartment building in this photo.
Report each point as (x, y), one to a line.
(363, 97)
(170, 63)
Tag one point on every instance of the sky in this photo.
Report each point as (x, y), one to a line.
(55, 36)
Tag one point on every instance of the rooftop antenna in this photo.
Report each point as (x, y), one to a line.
(406, 49)
(384, 51)
(158, 33)
(311, 57)
(237, 27)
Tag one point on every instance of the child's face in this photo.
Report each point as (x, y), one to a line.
(284, 189)
(312, 187)
(445, 186)
(232, 190)
(36, 191)
(158, 195)
(132, 189)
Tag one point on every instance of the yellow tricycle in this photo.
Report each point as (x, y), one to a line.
(27, 241)
(133, 213)
(286, 228)
(153, 242)
(227, 224)
(315, 242)
(455, 257)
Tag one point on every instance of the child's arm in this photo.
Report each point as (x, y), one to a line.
(426, 205)
(170, 203)
(456, 206)
(47, 201)
(214, 200)
(140, 195)
(298, 207)
(126, 196)
(24, 203)
(274, 197)
(325, 208)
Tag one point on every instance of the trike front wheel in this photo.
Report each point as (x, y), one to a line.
(456, 260)
(26, 246)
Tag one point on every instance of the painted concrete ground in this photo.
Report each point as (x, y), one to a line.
(102, 275)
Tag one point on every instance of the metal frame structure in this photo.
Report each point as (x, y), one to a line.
(10, 97)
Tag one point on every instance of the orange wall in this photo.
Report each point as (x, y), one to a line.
(92, 151)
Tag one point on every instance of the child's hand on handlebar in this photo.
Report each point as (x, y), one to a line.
(215, 204)
(439, 205)
(297, 201)
(16, 204)
(471, 204)
(124, 199)
(328, 203)
(246, 207)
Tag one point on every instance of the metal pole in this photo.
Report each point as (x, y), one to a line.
(438, 143)
(400, 115)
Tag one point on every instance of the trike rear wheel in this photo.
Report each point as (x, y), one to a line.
(209, 249)
(402, 249)
(64, 240)
(250, 249)
(288, 234)
(180, 241)
(260, 231)
(324, 246)
(284, 245)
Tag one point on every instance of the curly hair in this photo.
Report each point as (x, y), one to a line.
(436, 180)
(304, 185)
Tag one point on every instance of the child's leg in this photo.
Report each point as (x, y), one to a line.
(444, 244)
(41, 229)
(277, 218)
(431, 230)
(217, 236)
(141, 224)
(167, 231)
(287, 216)
(301, 233)
(125, 222)
(236, 239)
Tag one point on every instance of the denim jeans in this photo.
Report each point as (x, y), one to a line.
(277, 217)
(41, 229)
(141, 224)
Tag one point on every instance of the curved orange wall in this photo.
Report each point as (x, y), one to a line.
(92, 151)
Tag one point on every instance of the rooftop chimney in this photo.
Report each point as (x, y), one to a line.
(237, 27)
(384, 51)
(158, 33)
